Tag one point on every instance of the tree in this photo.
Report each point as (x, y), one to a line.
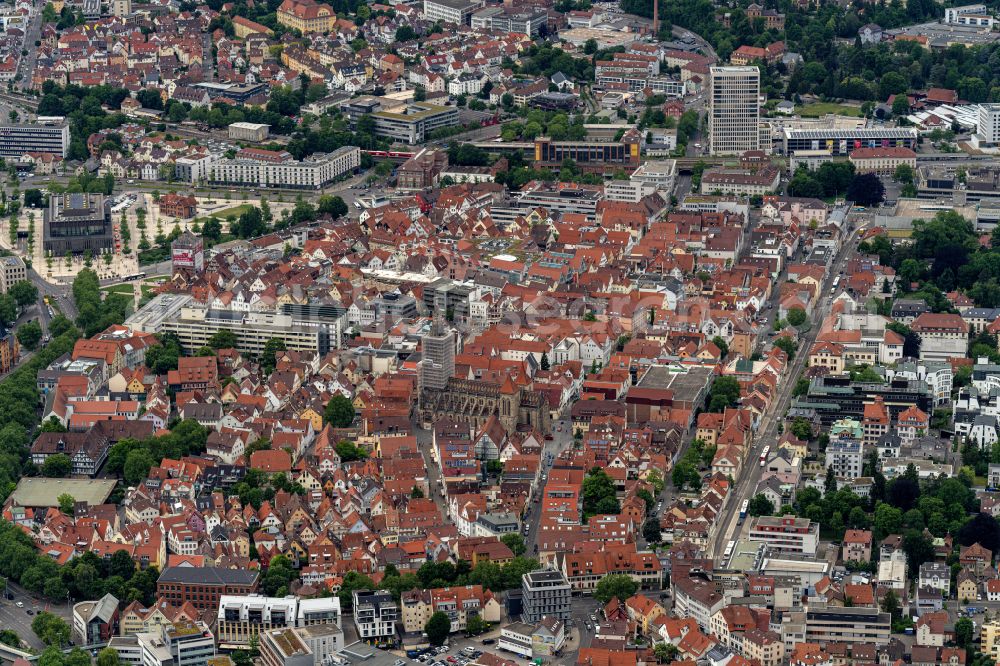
(29, 335)
(57, 466)
(545, 361)
(664, 652)
(651, 530)
(24, 293)
(66, 502)
(722, 345)
(866, 190)
(725, 392)
(333, 206)
(437, 628)
(51, 629)
(615, 585)
(900, 106)
(890, 605)
(903, 174)
(138, 462)
(268, 356)
(963, 633)
(349, 451)
(222, 339)
(108, 657)
(515, 542)
(339, 411)
(760, 506)
(982, 529)
(598, 493)
(416, 493)
(475, 625)
(787, 345)
(796, 316)
(830, 483)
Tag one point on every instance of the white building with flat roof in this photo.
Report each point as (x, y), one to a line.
(248, 131)
(988, 127)
(733, 110)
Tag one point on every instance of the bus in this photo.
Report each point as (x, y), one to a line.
(729, 549)
(836, 283)
(134, 276)
(743, 510)
(763, 455)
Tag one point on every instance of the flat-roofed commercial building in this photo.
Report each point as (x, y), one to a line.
(415, 122)
(853, 626)
(49, 135)
(733, 110)
(312, 173)
(248, 131)
(302, 328)
(458, 12)
(786, 534)
(844, 141)
(590, 156)
(77, 223)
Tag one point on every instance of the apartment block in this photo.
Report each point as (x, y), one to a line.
(240, 619)
(545, 592)
(375, 615)
(250, 168)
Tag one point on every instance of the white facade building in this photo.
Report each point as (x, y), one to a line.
(733, 110)
(311, 173)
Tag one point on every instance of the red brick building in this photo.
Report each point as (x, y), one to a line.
(175, 205)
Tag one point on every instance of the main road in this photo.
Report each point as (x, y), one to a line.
(750, 473)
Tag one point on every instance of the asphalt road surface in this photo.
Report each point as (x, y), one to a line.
(750, 473)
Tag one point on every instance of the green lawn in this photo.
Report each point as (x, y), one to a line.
(817, 109)
(125, 289)
(235, 211)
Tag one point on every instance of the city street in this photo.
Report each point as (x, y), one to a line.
(749, 476)
(12, 617)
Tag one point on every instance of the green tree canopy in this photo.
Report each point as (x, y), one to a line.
(621, 586)
(339, 411)
(437, 628)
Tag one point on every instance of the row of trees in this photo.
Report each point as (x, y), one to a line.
(685, 473)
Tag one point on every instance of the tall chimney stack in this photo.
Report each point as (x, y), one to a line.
(656, 17)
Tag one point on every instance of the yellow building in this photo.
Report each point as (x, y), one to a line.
(989, 639)
(306, 16)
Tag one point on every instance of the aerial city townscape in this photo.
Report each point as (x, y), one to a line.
(499, 333)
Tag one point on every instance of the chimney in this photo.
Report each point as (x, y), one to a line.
(656, 17)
